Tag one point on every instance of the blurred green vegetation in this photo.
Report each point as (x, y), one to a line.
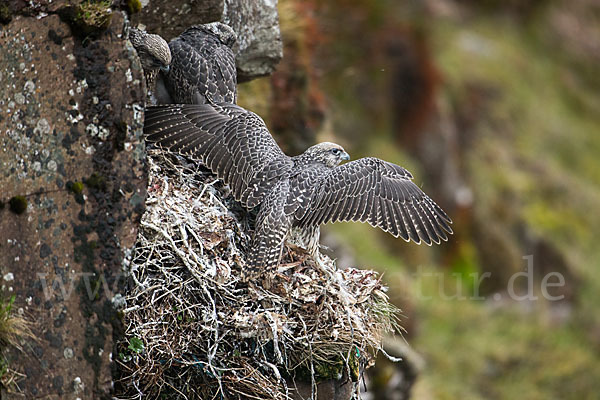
(511, 94)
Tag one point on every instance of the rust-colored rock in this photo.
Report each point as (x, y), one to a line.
(71, 114)
(297, 108)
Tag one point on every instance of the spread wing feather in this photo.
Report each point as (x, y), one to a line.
(380, 193)
(233, 142)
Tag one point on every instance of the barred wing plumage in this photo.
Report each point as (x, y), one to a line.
(203, 70)
(232, 142)
(382, 194)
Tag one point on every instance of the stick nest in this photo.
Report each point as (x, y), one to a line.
(195, 329)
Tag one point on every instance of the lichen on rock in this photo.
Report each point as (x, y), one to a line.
(56, 85)
(89, 17)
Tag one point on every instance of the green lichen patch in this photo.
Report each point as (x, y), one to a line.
(95, 14)
(96, 181)
(134, 6)
(88, 18)
(75, 187)
(5, 14)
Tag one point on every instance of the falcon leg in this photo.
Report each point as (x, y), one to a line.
(266, 251)
(264, 254)
(308, 239)
(272, 226)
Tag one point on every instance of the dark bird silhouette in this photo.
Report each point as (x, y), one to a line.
(295, 193)
(203, 67)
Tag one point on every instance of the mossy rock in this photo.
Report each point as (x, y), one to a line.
(5, 14)
(88, 18)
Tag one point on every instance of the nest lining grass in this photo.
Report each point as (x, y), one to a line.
(196, 329)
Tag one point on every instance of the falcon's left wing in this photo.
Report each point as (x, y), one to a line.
(231, 141)
(380, 193)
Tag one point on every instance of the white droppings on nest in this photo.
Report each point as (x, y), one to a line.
(208, 334)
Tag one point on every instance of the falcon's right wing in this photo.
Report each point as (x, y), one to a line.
(380, 193)
(232, 142)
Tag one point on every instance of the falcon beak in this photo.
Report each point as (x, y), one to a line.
(345, 156)
(166, 68)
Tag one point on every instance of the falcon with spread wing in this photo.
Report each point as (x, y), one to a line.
(295, 193)
(202, 68)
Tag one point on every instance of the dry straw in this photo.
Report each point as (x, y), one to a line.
(196, 330)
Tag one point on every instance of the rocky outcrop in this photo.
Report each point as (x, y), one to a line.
(72, 162)
(258, 48)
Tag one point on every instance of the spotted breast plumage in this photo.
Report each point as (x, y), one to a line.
(295, 193)
(203, 67)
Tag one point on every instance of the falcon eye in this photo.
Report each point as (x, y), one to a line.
(335, 151)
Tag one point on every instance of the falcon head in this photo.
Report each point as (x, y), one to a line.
(327, 153)
(152, 50)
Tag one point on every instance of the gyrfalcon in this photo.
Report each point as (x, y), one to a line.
(300, 192)
(203, 67)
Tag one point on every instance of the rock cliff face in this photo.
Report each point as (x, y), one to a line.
(259, 46)
(72, 156)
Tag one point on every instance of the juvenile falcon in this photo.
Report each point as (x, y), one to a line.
(203, 67)
(300, 192)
